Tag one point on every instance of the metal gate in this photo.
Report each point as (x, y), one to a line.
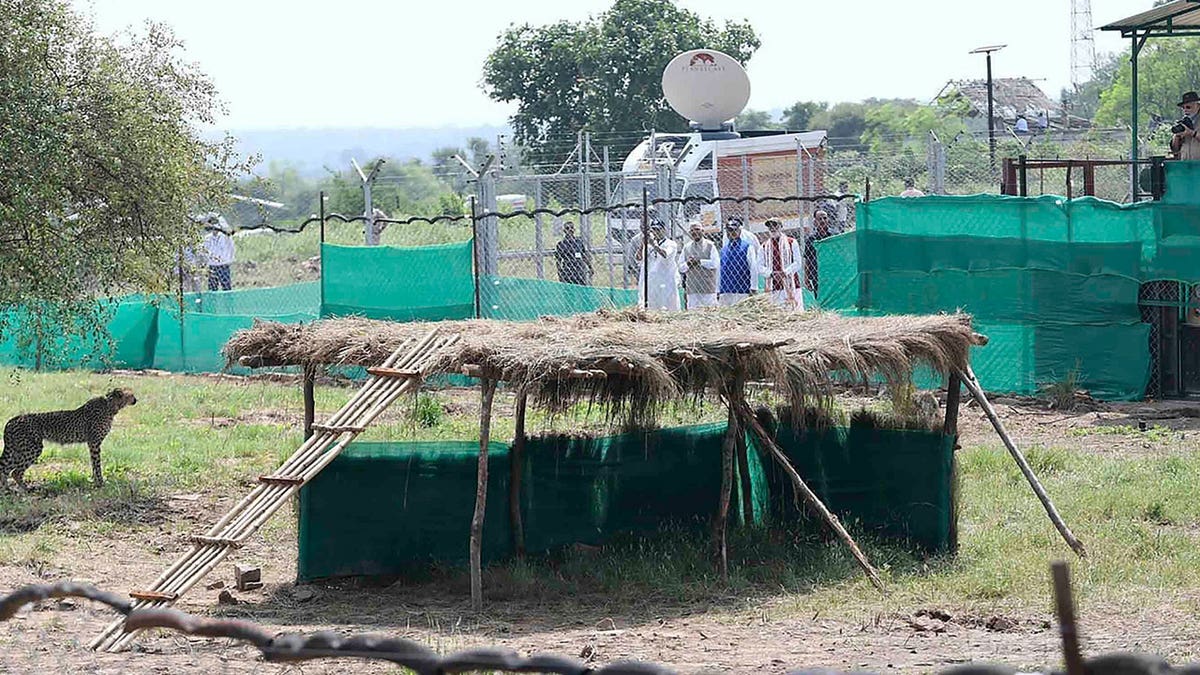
(1172, 309)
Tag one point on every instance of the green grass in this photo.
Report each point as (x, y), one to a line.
(1137, 515)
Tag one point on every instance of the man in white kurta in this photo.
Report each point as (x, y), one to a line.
(699, 262)
(661, 272)
(780, 267)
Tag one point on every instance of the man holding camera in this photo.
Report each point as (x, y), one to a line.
(1184, 143)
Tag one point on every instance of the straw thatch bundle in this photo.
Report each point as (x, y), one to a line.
(636, 360)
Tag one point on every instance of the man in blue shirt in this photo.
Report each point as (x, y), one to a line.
(738, 265)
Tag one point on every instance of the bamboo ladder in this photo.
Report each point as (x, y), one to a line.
(399, 374)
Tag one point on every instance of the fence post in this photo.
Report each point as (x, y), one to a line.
(488, 232)
(538, 238)
(645, 247)
(746, 191)
(475, 254)
(585, 189)
(321, 254)
(608, 243)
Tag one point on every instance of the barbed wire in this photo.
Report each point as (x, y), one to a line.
(297, 647)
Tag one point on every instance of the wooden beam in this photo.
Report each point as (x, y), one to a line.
(488, 387)
(950, 428)
(477, 371)
(393, 372)
(281, 480)
(516, 459)
(802, 489)
(260, 361)
(968, 378)
(310, 401)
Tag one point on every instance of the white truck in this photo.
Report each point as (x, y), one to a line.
(697, 164)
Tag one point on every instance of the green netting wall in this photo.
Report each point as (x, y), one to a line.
(392, 508)
(516, 299)
(420, 283)
(1053, 282)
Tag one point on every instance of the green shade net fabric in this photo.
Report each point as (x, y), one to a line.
(394, 508)
(1054, 283)
(420, 283)
(516, 299)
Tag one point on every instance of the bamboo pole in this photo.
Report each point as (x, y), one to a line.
(728, 448)
(743, 467)
(516, 458)
(488, 387)
(814, 502)
(968, 378)
(310, 401)
(950, 428)
(1065, 608)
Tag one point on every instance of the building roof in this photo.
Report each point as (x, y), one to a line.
(1011, 96)
(1181, 16)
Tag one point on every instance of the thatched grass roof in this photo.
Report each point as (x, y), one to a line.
(636, 360)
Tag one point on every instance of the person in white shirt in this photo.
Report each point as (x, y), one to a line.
(661, 273)
(910, 190)
(699, 264)
(218, 250)
(781, 266)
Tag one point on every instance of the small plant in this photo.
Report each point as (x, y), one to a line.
(427, 411)
(1062, 393)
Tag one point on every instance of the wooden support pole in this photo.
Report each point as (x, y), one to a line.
(972, 384)
(1065, 608)
(743, 464)
(728, 449)
(488, 387)
(516, 461)
(310, 401)
(950, 428)
(802, 489)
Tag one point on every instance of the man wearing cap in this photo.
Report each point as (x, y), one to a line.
(738, 265)
(1184, 144)
(218, 250)
(781, 267)
(660, 275)
(699, 262)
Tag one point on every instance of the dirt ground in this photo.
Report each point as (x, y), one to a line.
(735, 635)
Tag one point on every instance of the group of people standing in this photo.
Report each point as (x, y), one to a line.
(710, 275)
(214, 257)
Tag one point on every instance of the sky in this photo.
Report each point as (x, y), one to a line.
(382, 63)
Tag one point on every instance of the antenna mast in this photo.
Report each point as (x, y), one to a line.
(1083, 45)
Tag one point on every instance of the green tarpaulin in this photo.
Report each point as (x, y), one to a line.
(391, 508)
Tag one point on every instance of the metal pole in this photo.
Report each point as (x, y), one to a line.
(607, 231)
(991, 118)
(321, 208)
(1133, 123)
(475, 252)
(645, 247)
(746, 192)
(321, 253)
(369, 226)
(538, 241)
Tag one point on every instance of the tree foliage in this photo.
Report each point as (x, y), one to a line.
(102, 163)
(602, 74)
(1166, 68)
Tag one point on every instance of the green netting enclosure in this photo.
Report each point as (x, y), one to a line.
(393, 508)
(1054, 283)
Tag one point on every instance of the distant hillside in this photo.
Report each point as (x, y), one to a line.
(312, 149)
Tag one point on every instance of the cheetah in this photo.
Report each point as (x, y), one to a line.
(89, 423)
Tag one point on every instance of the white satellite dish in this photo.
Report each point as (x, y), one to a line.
(706, 86)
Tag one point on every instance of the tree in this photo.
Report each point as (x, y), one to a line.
(751, 120)
(1166, 68)
(844, 122)
(799, 115)
(602, 74)
(1085, 102)
(102, 163)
